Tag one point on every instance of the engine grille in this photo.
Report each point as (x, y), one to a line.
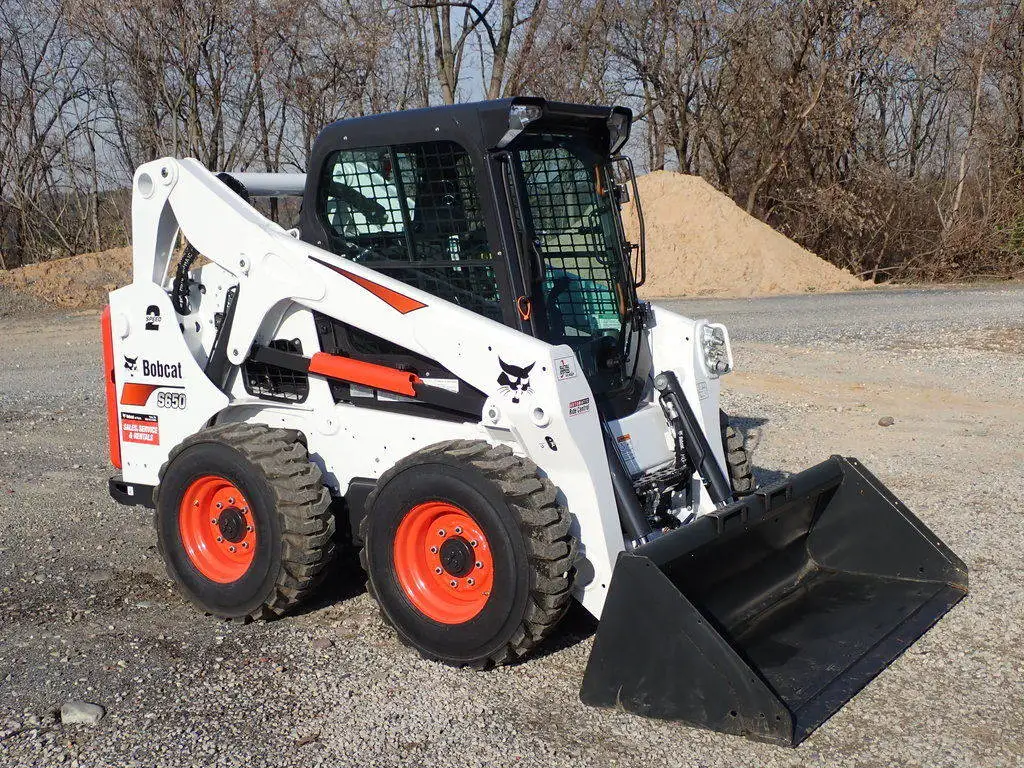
(271, 382)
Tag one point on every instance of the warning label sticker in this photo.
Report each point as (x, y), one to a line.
(140, 428)
(565, 367)
(452, 385)
(577, 407)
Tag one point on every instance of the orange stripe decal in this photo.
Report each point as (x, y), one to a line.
(367, 374)
(110, 388)
(394, 299)
(137, 394)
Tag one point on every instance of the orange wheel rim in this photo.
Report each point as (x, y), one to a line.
(217, 528)
(443, 562)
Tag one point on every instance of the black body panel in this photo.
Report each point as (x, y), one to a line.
(359, 489)
(130, 494)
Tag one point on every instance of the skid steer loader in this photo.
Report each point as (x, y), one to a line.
(449, 348)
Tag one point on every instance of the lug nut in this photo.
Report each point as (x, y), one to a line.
(438, 571)
(458, 529)
(213, 522)
(248, 527)
(478, 564)
(245, 545)
(433, 550)
(231, 500)
(441, 532)
(453, 583)
(472, 543)
(195, 503)
(220, 539)
(471, 581)
(245, 510)
(231, 549)
(219, 505)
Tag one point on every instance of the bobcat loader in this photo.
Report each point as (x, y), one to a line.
(448, 355)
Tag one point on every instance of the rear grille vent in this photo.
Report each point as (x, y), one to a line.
(271, 382)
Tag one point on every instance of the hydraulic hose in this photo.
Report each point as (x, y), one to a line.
(182, 282)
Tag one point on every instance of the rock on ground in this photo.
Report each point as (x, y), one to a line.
(81, 713)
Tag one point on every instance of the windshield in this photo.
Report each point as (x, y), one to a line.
(573, 223)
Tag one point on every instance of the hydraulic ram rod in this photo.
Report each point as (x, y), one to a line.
(679, 413)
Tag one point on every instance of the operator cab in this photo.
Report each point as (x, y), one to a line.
(508, 208)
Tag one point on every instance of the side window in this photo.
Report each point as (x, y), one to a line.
(572, 220)
(412, 212)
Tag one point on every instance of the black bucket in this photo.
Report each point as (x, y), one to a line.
(765, 617)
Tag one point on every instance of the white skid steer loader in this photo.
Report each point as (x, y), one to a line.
(451, 348)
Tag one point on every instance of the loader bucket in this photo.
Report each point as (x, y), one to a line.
(764, 618)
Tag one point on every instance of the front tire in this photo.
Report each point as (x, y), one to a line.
(243, 521)
(467, 552)
(741, 473)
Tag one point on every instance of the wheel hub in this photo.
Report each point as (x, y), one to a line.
(217, 529)
(232, 525)
(457, 557)
(443, 562)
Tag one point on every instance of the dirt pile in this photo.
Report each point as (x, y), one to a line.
(700, 243)
(75, 282)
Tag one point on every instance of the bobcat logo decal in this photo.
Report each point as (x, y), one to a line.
(514, 380)
(131, 363)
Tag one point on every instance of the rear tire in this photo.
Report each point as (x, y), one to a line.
(243, 521)
(741, 474)
(474, 512)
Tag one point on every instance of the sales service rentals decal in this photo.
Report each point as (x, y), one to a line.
(140, 428)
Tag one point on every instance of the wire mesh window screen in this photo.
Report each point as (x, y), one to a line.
(572, 224)
(412, 211)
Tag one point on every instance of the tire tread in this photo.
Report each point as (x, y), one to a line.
(545, 526)
(741, 473)
(303, 504)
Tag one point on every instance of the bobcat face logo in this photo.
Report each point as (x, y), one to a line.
(131, 363)
(514, 380)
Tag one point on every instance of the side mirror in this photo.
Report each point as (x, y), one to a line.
(621, 194)
(640, 270)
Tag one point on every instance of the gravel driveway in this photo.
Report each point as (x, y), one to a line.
(87, 613)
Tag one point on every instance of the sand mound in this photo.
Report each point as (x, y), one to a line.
(75, 282)
(700, 243)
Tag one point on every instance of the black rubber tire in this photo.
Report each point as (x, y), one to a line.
(741, 473)
(295, 527)
(529, 538)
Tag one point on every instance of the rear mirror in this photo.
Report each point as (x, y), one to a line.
(621, 194)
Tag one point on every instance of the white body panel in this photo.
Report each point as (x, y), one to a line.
(279, 286)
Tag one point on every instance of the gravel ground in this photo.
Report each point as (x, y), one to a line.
(87, 613)
(18, 303)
